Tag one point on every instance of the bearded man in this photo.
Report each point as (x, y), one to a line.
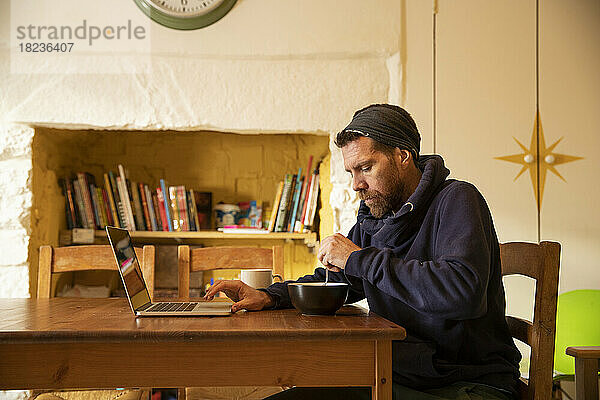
(425, 255)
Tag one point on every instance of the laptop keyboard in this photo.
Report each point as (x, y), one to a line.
(170, 307)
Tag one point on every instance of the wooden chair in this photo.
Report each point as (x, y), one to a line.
(81, 258)
(540, 262)
(213, 258)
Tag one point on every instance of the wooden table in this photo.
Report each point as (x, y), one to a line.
(97, 343)
(587, 364)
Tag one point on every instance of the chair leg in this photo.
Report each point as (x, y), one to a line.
(556, 391)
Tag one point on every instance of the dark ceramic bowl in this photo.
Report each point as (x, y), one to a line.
(316, 298)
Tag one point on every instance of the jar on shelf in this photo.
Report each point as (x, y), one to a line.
(225, 214)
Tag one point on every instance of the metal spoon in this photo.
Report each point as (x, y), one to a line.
(326, 276)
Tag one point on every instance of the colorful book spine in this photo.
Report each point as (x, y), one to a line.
(109, 217)
(112, 204)
(91, 182)
(78, 217)
(165, 200)
(281, 214)
(70, 217)
(275, 209)
(309, 188)
(145, 211)
(288, 207)
(132, 204)
(313, 206)
(191, 209)
(164, 220)
(182, 207)
(299, 205)
(151, 212)
(80, 206)
(194, 210)
(71, 209)
(159, 226)
(118, 204)
(87, 200)
(123, 216)
(295, 201)
(303, 197)
(174, 208)
(312, 202)
(95, 206)
(125, 199)
(308, 201)
(125, 206)
(138, 213)
(100, 206)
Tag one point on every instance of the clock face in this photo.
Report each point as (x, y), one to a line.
(185, 14)
(185, 8)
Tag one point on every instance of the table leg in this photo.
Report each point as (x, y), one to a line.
(586, 378)
(383, 370)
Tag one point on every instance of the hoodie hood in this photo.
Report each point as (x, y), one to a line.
(434, 174)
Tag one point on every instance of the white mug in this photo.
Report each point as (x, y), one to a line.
(257, 278)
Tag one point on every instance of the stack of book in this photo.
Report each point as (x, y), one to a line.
(295, 203)
(133, 205)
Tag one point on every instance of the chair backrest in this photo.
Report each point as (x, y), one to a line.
(540, 262)
(212, 258)
(82, 258)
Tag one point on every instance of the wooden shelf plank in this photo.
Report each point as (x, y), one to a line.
(152, 237)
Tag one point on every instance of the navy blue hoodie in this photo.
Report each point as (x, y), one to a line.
(433, 267)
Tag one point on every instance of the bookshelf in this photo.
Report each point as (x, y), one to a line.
(232, 167)
(176, 238)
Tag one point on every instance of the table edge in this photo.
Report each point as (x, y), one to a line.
(188, 337)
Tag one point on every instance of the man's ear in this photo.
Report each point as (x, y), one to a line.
(403, 157)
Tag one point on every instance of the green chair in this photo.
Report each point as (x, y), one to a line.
(577, 324)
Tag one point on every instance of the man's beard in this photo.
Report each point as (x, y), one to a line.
(382, 203)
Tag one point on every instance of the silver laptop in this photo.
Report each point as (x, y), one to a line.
(137, 292)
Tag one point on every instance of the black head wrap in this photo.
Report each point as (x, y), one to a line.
(387, 124)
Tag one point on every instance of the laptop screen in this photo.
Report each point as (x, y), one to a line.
(131, 273)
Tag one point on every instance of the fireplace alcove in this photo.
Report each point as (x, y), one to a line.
(234, 167)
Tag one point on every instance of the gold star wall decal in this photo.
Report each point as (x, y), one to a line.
(548, 160)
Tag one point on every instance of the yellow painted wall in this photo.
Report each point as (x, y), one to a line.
(233, 167)
(48, 213)
(326, 213)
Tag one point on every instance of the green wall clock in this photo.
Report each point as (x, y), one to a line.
(185, 14)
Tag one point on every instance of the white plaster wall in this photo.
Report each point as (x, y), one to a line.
(250, 96)
(15, 206)
(269, 66)
(14, 395)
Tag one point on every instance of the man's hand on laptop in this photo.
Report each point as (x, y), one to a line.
(244, 296)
